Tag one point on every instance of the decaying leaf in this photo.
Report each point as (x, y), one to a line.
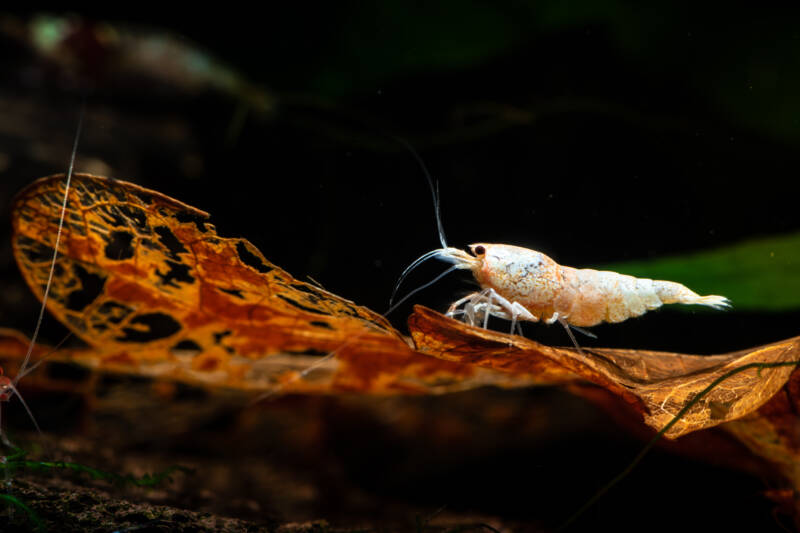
(757, 406)
(145, 280)
(149, 285)
(659, 384)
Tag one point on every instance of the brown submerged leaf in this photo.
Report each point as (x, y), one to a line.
(149, 285)
(657, 384)
(145, 280)
(754, 411)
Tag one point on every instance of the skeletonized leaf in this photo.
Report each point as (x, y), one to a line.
(149, 285)
(145, 280)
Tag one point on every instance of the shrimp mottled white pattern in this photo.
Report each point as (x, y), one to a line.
(579, 297)
(604, 296)
(519, 275)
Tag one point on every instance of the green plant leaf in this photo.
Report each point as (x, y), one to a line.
(761, 274)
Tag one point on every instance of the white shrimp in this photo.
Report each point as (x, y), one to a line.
(515, 277)
(519, 284)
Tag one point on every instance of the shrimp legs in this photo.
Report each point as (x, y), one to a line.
(480, 304)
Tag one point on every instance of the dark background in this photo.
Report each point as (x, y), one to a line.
(592, 132)
(595, 132)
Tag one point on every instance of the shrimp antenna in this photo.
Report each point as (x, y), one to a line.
(25, 405)
(409, 268)
(434, 185)
(24, 369)
(58, 240)
(22, 373)
(423, 286)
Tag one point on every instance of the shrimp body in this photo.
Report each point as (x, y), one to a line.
(521, 284)
(516, 278)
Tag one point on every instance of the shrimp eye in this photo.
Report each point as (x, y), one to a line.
(479, 250)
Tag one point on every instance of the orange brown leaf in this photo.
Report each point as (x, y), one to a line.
(659, 384)
(758, 407)
(146, 281)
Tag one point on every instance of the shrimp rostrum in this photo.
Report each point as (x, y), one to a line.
(519, 284)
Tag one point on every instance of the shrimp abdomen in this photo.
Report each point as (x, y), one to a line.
(604, 296)
(621, 297)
